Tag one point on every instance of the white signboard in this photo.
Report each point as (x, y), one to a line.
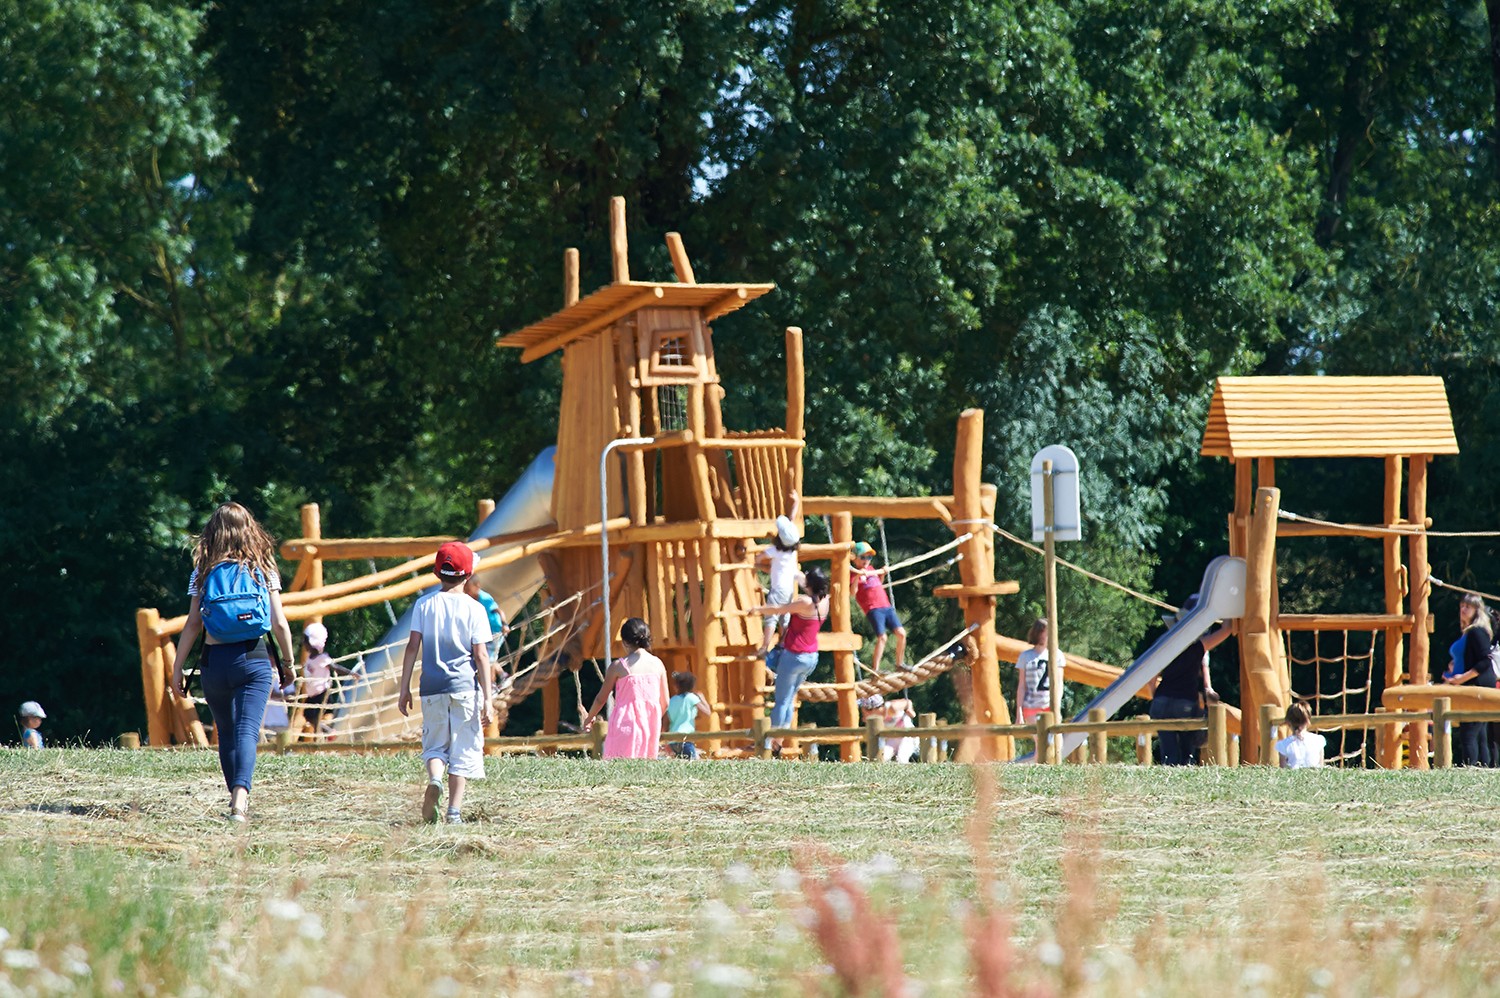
(1067, 521)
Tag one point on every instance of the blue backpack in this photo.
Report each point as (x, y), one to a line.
(235, 602)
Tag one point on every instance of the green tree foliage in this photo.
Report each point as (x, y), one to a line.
(263, 250)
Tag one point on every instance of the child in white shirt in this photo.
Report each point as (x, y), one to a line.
(1302, 749)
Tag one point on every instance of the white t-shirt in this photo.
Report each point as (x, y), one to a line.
(451, 624)
(1301, 752)
(1035, 689)
(783, 571)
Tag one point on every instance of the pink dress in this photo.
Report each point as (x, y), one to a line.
(635, 722)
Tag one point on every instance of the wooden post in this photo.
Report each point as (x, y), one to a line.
(1394, 570)
(596, 738)
(130, 741)
(927, 744)
(873, 727)
(1416, 512)
(312, 527)
(709, 631)
(796, 400)
(1045, 754)
(1266, 755)
(570, 277)
(1143, 750)
(551, 705)
(1442, 733)
(1218, 730)
(153, 676)
(1260, 676)
(482, 510)
(842, 525)
(619, 247)
(761, 742)
(978, 569)
(1049, 552)
(1098, 741)
(681, 265)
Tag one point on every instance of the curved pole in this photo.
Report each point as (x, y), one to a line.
(604, 528)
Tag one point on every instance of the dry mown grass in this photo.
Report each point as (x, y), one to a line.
(578, 876)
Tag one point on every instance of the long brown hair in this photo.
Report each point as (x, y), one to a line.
(232, 534)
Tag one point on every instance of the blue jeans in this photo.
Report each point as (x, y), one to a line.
(237, 684)
(1178, 748)
(791, 669)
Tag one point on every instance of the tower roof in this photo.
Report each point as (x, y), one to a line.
(615, 301)
(1328, 417)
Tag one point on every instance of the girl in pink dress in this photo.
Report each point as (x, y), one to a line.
(639, 682)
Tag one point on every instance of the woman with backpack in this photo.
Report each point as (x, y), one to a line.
(236, 594)
(1471, 666)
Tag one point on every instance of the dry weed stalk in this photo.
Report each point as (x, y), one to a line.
(861, 945)
(988, 927)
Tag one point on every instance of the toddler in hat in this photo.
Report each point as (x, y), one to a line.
(870, 594)
(32, 715)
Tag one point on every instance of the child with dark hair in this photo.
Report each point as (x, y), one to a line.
(682, 713)
(1033, 677)
(1303, 748)
(639, 682)
(799, 656)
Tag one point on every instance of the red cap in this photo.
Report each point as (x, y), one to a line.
(454, 560)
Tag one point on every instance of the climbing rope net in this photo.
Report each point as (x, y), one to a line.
(1334, 674)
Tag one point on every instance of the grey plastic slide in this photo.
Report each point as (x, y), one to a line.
(527, 505)
(1221, 597)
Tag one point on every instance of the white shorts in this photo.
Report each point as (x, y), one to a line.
(451, 732)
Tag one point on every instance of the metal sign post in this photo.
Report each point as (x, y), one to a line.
(1055, 516)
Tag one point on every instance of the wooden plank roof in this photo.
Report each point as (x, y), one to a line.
(1328, 417)
(614, 301)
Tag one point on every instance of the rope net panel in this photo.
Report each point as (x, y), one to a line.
(1333, 673)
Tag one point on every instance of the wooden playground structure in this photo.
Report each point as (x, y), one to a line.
(686, 501)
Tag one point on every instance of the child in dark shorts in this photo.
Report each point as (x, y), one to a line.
(870, 594)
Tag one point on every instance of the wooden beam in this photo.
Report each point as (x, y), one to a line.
(882, 507)
(619, 246)
(960, 591)
(570, 277)
(1344, 621)
(680, 262)
(1378, 531)
(361, 548)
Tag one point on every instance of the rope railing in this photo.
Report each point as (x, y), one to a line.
(1065, 563)
(1401, 529)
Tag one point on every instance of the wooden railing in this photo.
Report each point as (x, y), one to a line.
(1219, 749)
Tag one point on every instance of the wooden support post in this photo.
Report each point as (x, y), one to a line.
(619, 246)
(1442, 733)
(312, 528)
(873, 727)
(681, 265)
(1260, 676)
(842, 525)
(596, 738)
(978, 569)
(1098, 741)
(1218, 735)
(927, 744)
(709, 631)
(1387, 743)
(1143, 750)
(570, 277)
(1049, 557)
(796, 400)
(1416, 547)
(130, 741)
(761, 742)
(1394, 571)
(153, 677)
(482, 510)
(1046, 754)
(1266, 755)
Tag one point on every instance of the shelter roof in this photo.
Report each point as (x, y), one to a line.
(614, 301)
(1328, 417)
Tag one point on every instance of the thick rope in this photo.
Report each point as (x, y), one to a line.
(1404, 530)
(1077, 568)
(885, 556)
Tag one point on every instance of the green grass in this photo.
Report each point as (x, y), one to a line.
(580, 877)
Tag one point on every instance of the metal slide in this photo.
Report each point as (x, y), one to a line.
(1221, 597)
(526, 506)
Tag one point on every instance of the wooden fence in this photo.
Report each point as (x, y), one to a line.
(1220, 749)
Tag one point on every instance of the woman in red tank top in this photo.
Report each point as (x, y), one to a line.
(799, 654)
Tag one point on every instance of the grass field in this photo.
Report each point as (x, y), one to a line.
(119, 875)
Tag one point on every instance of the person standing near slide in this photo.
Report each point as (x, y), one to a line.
(1184, 689)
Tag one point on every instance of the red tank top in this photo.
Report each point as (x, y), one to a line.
(802, 634)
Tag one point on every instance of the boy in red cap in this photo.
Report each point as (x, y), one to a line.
(870, 594)
(452, 633)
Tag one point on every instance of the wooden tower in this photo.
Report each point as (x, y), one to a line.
(1402, 421)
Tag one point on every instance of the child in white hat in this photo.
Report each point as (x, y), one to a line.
(779, 559)
(32, 715)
